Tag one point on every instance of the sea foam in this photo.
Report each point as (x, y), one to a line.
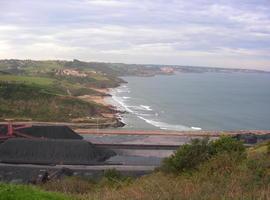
(165, 126)
(148, 108)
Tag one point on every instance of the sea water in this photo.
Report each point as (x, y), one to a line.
(191, 101)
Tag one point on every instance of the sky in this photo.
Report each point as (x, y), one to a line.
(218, 33)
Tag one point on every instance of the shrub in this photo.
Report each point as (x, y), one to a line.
(227, 144)
(112, 175)
(190, 156)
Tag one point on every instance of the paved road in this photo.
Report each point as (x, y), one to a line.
(168, 133)
(85, 167)
(138, 146)
(139, 132)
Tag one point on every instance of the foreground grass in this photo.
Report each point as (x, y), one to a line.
(221, 178)
(20, 192)
(224, 176)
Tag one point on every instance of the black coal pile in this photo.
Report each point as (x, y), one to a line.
(53, 132)
(50, 145)
(52, 151)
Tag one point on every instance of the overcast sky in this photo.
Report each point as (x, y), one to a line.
(223, 33)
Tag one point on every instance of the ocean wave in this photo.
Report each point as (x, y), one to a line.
(122, 90)
(144, 114)
(122, 105)
(146, 107)
(166, 126)
(126, 97)
(141, 108)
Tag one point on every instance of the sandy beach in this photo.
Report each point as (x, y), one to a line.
(99, 99)
(96, 99)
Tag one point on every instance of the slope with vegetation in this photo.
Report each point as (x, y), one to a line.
(50, 91)
(27, 102)
(203, 169)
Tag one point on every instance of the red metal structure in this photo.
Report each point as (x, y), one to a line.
(13, 131)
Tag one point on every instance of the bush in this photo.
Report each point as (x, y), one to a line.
(227, 144)
(112, 175)
(190, 156)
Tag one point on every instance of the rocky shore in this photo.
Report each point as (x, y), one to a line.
(110, 119)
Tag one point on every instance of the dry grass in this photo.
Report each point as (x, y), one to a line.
(71, 185)
(222, 177)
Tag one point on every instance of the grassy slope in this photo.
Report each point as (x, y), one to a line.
(36, 91)
(20, 192)
(223, 177)
(103, 76)
(55, 86)
(27, 80)
(22, 101)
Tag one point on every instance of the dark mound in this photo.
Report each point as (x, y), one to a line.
(39, 151)
(51, 132)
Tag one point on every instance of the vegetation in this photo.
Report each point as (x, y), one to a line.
(48, 90)
(228, 173)
(221, 176)
(22, 101)
(97, 74)
(20, 192)
(191, 156)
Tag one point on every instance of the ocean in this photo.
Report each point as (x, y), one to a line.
(195, 101)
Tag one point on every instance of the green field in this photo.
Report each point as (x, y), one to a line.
(27, 80)
(32, 102)
(99, 75)
(21, 192)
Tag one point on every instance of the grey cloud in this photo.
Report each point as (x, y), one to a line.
(87, 29)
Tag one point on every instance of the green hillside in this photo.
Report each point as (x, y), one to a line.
(97, 75)
(33, 102)
(48, 90)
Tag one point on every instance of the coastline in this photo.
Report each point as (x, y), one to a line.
(138, 112)
(106, 100)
